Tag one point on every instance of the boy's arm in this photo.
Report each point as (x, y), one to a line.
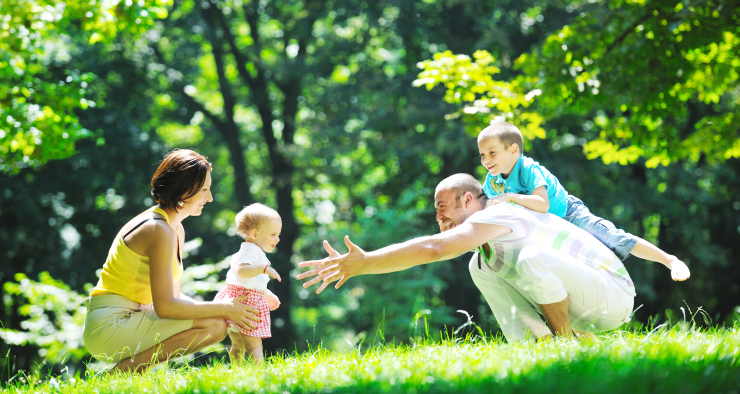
(537, 201)
(647, 251)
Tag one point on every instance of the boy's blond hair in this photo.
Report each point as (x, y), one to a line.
(252, 216)
(506, 132)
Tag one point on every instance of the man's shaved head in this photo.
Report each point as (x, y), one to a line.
(461, 184)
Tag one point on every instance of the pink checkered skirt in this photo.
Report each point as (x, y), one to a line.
(256, 300)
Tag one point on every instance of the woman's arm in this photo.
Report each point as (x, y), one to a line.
(167, 302)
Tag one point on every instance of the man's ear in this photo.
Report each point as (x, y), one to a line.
(467, 199)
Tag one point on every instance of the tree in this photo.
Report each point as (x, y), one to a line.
(656, 79)
(38, 122)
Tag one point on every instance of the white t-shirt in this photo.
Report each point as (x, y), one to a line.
(536, 228)
(250, 254)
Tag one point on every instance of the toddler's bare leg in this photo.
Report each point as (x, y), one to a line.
(254, 347)
(238, 347)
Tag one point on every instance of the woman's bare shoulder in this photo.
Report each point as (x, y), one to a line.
(143, 230)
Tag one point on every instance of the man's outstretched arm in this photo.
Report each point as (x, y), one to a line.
(423, 250)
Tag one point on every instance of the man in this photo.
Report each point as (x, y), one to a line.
(526, 263)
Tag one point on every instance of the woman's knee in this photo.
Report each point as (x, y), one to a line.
(215, 327)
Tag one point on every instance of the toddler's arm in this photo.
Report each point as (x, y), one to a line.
(247, 270)
(248, 265)
(536, 201)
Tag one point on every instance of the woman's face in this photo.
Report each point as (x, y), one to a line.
(193, 206)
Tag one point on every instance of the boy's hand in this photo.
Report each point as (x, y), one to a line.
(273, 274)
(501, 198)
(679, 270)
(273, 302)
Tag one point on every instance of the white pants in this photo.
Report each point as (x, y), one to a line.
(597, 303)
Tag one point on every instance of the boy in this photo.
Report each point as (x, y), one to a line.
(517, 178)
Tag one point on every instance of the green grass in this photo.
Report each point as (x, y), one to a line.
(675, 361)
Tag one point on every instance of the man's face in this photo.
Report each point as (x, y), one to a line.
(451, 211)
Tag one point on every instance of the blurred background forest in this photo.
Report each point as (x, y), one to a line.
(344, 115)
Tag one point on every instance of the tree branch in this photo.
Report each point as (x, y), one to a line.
(627, 32)
(239, 58)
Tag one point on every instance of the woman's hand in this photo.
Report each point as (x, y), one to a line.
(243, 315)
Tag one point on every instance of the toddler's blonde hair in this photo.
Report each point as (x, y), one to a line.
(252, 216)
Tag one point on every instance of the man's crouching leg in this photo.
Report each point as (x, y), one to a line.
(557, 317)
(535, 267)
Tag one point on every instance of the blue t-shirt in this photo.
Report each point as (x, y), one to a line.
(526, 176)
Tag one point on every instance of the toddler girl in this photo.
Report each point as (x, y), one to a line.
(249, 273)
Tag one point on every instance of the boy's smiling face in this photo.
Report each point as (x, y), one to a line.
(496, 158)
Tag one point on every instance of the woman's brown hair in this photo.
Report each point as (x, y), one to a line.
(179, 176)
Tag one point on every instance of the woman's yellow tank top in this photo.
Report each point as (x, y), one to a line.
(127, 273)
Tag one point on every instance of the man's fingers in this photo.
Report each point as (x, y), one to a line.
(331, 277)
(321, 288)
(349, 243)
(328, 271)
(311, 263)
(313, 281)
(307, 274)
(330, 250)
(341, 282)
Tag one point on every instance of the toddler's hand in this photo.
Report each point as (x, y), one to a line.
(679, 270)
(273, 274)
(273, 302)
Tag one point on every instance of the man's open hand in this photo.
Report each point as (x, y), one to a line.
(334, 268)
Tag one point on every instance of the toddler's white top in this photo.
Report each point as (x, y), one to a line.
(250, 254)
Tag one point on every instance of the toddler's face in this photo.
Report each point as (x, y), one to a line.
(496, 158)
(268, 234)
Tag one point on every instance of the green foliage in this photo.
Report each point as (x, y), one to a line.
(486, 100)
(38, 101)
(653, 79)
(54, 315)
(657, 78)
(661, 360)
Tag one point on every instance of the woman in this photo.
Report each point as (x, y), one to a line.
(136, 315)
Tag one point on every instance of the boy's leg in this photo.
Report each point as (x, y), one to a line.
(254, 347)
(622, 243)
(238, 348)
(617, 240)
